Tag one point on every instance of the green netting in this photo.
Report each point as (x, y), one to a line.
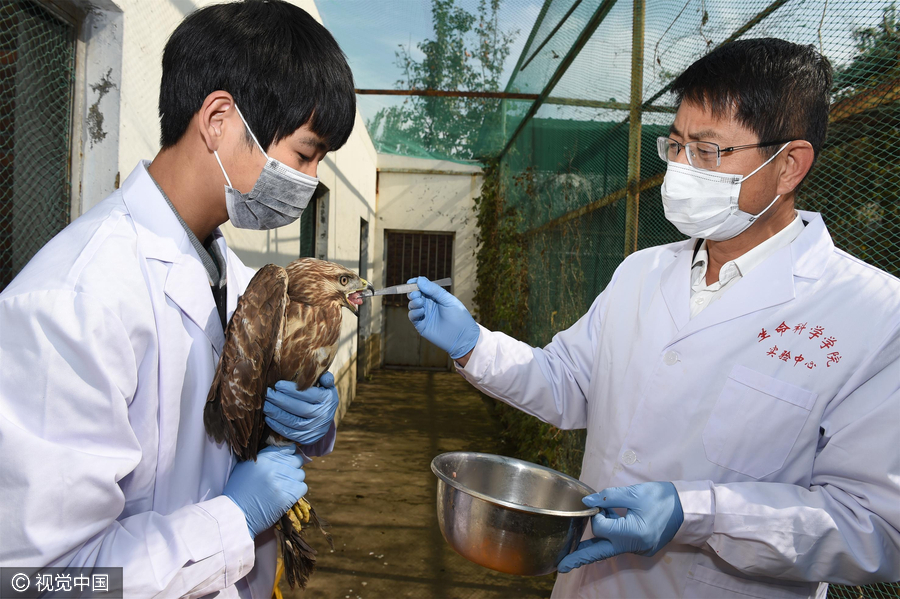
(555, 218)
(577, 156)
(37, 58)
(571, 147)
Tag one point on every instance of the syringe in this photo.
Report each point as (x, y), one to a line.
(398, 289)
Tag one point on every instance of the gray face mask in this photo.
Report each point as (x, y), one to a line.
(277, 199)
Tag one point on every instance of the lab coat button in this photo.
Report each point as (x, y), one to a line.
(629, 458)
(671, 358)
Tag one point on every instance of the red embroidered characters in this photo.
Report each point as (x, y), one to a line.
(815, 332)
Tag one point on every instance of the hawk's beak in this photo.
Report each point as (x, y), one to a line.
(355, 298)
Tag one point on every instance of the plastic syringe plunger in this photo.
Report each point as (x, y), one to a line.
(399, 289)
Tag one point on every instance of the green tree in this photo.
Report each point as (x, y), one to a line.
(877, 59)
(467, 53)
(856, 182)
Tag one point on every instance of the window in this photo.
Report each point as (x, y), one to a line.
(37, 71)
(308, 230)
(416, 254)
(314, 226)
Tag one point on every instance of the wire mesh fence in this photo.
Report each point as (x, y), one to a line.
(37, 63)
(576, 155)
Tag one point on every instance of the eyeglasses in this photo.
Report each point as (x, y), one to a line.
(702, 154)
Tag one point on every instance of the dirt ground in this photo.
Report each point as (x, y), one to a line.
(378, 493)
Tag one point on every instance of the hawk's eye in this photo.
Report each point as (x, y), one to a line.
(344, 280)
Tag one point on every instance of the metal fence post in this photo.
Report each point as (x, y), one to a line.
(634, 128)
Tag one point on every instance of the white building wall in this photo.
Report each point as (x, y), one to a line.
(417, 194)
(145, 26)
(122, 45)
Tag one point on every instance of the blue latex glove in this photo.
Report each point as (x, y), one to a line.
(442, 319)
(302, 416)
(267, 488)
(654, 516)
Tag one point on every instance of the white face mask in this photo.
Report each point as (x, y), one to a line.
(704, 204)
(277, 199)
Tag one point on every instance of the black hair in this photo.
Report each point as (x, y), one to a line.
(282, 67)
(776, 89)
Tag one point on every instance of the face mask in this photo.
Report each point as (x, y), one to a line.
(704, 204)
(277, 199)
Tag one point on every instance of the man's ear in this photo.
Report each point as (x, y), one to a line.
(798, 159)
(212, 118)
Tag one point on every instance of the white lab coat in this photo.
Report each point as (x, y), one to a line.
(108, 342)
(787, 466)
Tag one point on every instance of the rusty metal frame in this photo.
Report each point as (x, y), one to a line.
(445, 93)
(633, 180)
(609, 105)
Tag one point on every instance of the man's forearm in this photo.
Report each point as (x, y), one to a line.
(784, 531)
(540, 382)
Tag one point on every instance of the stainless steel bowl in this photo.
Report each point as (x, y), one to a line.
(509, 515)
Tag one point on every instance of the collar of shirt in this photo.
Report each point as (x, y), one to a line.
(209, 252)
(739, 267)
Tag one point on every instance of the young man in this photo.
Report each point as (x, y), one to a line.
(755, 365)
(111, 334)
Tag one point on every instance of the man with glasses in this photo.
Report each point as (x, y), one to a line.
(740, 389)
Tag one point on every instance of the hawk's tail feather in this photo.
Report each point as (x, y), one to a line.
(298, 557)
(321, 525)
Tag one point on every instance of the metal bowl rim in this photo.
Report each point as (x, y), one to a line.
(508, 504)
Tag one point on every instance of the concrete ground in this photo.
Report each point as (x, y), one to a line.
(378, 493)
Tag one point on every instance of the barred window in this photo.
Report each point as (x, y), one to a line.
(412, 254)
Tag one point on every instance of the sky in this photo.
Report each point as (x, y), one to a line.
(371, 31)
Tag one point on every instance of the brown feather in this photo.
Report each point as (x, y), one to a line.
(233, 411)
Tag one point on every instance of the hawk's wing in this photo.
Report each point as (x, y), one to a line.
(233, 411)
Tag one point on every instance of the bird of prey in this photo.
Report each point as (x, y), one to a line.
(286, 327)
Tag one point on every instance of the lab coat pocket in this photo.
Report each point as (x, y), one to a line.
(755, 422)
(706, 583)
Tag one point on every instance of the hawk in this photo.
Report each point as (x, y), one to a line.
(286, 327)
